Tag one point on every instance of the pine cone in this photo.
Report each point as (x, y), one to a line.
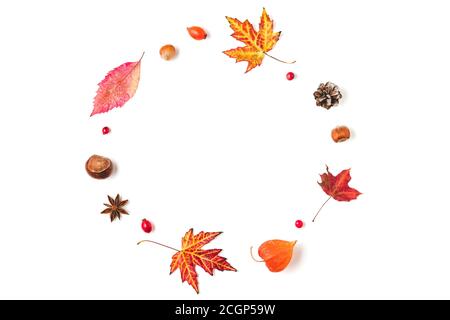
(327, 95)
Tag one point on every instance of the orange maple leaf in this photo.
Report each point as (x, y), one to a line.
(118, 86)
(192, 254)
(257, 44)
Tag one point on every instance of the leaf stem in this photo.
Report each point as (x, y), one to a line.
(251, 254)
(143, 52)
(291, 62)
(160, 244)
(321, 208)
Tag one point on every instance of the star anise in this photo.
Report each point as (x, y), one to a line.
(115, 207)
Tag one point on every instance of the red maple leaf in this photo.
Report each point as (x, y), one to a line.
(337, 187)
(192, 254)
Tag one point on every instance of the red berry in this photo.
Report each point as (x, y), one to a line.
(146, 226)
(106, 130)
(299, 223)
(197, 33)
(290, 76)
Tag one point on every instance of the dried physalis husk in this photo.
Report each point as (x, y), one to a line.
(276, 254)
(99, 167)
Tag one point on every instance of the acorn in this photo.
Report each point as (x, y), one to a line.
(99, 167)
(340, 134)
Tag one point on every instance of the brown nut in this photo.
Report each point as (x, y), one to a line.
(168, 52)
(99, 167)
(340, 134)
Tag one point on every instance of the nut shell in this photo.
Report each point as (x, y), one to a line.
(99, 167)
(340, 134)
(168, 52)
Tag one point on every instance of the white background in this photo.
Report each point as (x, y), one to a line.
(204, 145)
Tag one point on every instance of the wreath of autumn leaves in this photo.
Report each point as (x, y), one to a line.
(120, 85)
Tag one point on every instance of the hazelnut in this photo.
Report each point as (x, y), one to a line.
(340, 134)
(99, 167)
(168, 52)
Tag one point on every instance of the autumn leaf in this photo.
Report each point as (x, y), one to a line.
(192, 254)
(119, 86)
(277, 254)
(337, 187)
(257, 44)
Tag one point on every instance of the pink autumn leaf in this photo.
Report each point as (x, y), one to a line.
(119, 86)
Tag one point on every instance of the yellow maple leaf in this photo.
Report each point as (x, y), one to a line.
(257, 44)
